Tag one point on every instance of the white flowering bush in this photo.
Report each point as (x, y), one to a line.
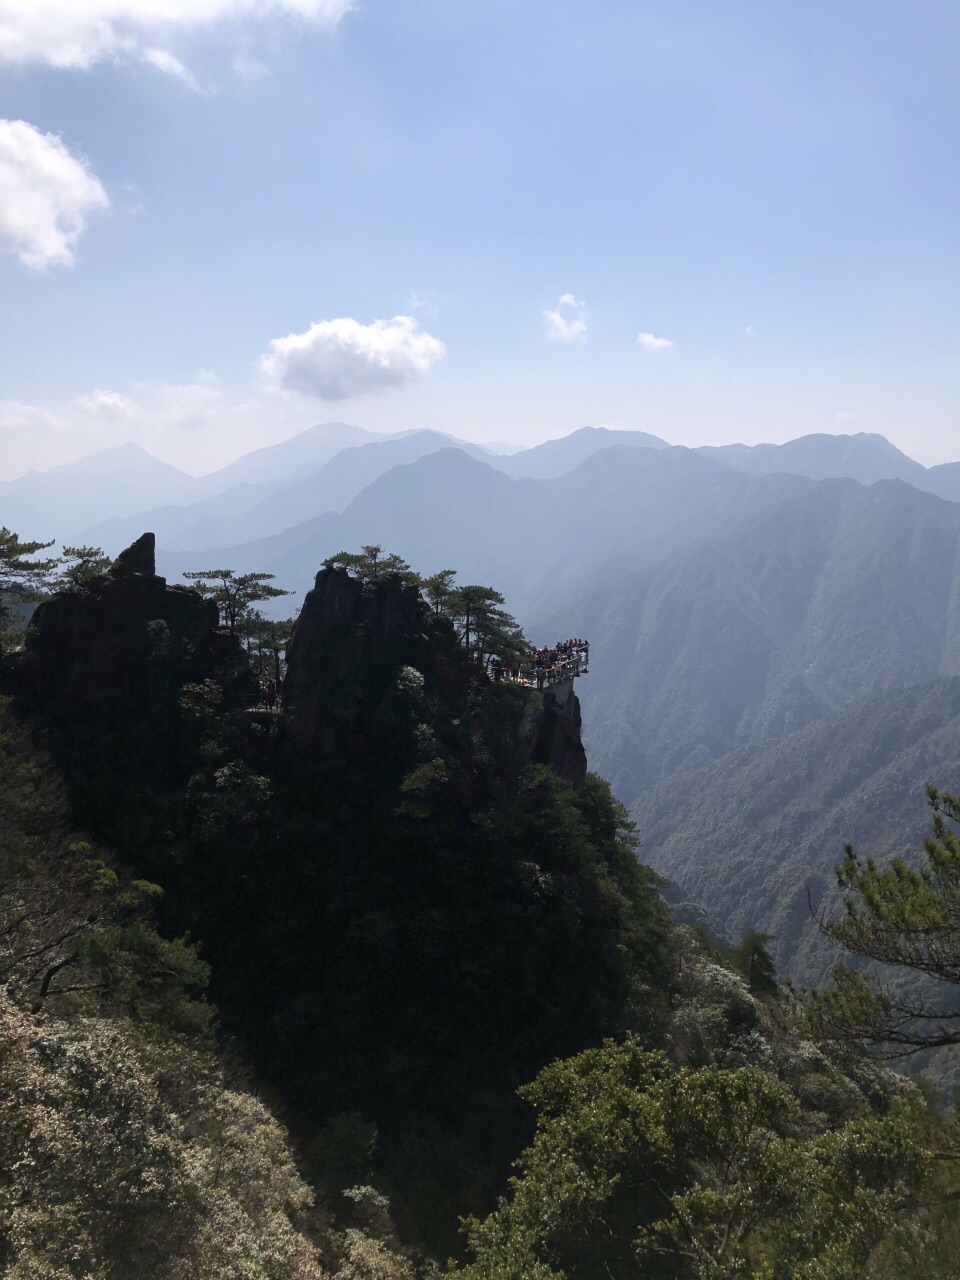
(125, 1157)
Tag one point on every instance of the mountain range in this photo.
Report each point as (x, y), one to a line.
(775, 629)
(324, 468)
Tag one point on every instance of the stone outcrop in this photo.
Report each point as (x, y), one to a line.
(103, 672)
(370, 664)
(128, 638)
(361, 660)
(140, 557)
(558, 742)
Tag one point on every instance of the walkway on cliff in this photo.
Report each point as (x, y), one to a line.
(544, 667)
(566, 660)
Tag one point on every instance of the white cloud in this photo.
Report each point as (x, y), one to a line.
(336, 359)
(78, 33)
(109, 404)
(652, 343)
(844, 417)
(187, 406)
(15, 416)
(749, 331)
(182, 406)
(170, 65)
(46, 195)
(566, 322)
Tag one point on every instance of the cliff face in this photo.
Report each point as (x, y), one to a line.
(103, 676)
(363, 662)
(558, 741)
(372, 671)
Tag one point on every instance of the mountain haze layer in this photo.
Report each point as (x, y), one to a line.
(249, 510)
(542, 540)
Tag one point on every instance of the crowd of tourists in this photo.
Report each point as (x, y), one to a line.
(567, 658)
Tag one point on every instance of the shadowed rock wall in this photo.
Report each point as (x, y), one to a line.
(102, 678)
(368, 664)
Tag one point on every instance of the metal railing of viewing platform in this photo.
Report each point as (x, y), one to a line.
(550, 666)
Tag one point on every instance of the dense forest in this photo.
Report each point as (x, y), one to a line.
(373, 984)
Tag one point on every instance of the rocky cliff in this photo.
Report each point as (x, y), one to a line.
(372, 668)
(103, 679)
(557, 739)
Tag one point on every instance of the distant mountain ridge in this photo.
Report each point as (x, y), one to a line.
(65, 501)
(243, 501)
(247, 511)
(537, 539)
(59, 503)
(866, 457)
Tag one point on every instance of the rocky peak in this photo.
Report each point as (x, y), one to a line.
(370, 666)
(354, 647)
(139, 558)
(103, 672)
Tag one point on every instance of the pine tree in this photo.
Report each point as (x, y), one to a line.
(233, 593)
(907, 918)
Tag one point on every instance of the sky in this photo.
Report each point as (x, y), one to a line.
(222, 221)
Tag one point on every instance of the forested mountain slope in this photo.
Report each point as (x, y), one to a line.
(411, 902)
(746, 637)
(411, 896)
(748, 834)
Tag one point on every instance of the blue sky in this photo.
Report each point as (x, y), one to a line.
(769, 191)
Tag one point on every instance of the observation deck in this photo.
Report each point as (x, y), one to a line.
(547, 667)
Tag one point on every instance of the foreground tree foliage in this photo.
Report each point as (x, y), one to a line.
(23, 578)
(72, 927)
(641, 1167)
(484, 627)
(131, 1157)
(908, 918)
(266, 640)
(371, 564)
(127, 1146)
(83, 566)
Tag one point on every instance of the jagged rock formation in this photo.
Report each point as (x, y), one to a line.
(103, 674)
(368, 663)
(350, 646)
(140, 557)
(558, 741)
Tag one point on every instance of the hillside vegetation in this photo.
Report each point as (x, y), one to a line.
(404, 916)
